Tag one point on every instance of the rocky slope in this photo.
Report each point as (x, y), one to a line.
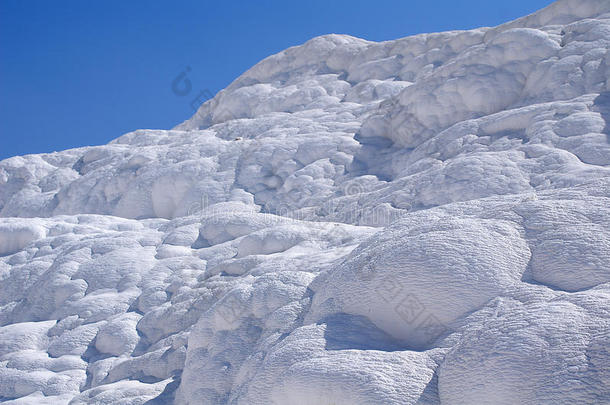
(417, 221)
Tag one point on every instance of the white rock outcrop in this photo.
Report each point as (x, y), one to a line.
(417, 221)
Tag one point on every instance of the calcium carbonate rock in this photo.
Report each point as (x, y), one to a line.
(417, 221)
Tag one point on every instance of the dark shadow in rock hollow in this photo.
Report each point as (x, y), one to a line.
(168, 395)
(602, 105)
(345, 331)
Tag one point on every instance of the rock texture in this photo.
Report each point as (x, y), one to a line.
(417, 221)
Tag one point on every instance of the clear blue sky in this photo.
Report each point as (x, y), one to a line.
(76, 72)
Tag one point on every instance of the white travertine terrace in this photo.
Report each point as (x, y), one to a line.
(417, 221)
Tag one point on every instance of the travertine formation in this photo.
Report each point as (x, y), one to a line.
(418, 221)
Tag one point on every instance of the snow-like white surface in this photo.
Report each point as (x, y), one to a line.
(418, 221)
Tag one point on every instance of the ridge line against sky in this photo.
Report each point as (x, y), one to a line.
(83, 73)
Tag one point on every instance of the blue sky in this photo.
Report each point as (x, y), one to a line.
(75, 73)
